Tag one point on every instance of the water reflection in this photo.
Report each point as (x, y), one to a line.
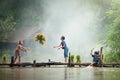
(59, 73)
(65, 74)
(17, 74)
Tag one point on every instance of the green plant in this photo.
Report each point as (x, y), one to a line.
(4, 58)
(72, 58)
(78, 58)
(40, 38)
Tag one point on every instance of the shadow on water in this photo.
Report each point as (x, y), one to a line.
(59, 73)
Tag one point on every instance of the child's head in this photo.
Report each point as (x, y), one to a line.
(62, 37)
(96, 52)
(20, 42)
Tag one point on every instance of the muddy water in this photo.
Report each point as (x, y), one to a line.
(59, 73)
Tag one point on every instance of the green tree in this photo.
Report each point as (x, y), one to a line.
(15, 14)
(6, 27)
(113, 32)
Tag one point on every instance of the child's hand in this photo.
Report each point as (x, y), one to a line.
(28, 49)
(58, 48)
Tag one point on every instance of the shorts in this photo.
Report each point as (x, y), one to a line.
(65, 52)
(96, 61)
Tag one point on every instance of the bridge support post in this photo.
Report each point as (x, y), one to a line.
(34, 63)
(69, 61)
(12, 61)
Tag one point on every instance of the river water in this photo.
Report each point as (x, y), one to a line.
(59, 73)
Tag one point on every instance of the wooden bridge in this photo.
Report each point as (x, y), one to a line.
(49, 64)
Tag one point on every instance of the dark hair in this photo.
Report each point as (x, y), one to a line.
(96, 52)
(20, 42)
(63, 37)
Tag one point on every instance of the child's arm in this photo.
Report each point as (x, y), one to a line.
(101, 49)
(58, 46)
(100, 53)
(91, 51)
(62, 45)
(23, 48)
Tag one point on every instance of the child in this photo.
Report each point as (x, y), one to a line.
(17, 51)
(96, 57)
(64, 47)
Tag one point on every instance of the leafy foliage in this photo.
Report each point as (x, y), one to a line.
(72, 58)
(15, 14)
(78, 59)
(6, 27)
(40, 38)
(113, 32)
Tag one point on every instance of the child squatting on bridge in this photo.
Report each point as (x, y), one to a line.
(97, 57)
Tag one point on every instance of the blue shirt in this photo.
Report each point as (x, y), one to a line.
(95, 58)
(64, 44)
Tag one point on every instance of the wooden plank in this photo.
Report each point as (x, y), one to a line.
(57, 63)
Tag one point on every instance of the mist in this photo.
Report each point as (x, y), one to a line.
(73, 19)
